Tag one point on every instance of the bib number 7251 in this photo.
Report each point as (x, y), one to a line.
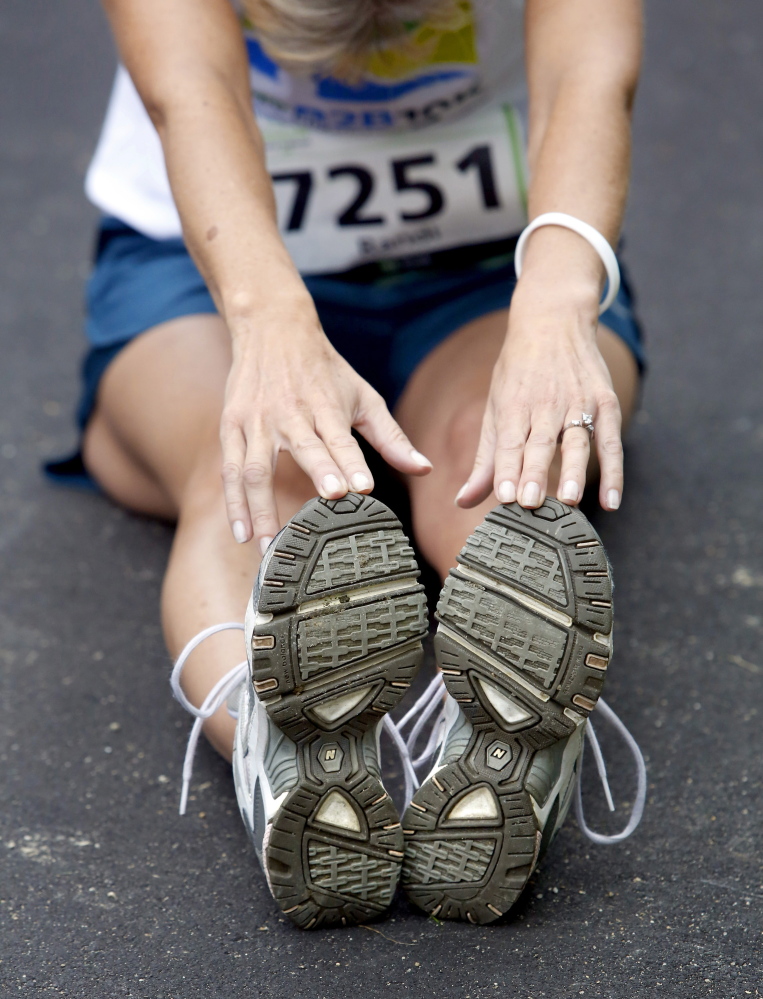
(404, 178)
(345, 199)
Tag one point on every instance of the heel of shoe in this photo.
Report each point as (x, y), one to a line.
(471, 841)
(334, 851)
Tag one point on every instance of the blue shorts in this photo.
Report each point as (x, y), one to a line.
(384, 318)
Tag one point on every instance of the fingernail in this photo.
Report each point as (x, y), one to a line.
(420, 460)
(531, 494)
(240, 532)
(360, 482)
(570, 491)
(264, 545)
(507, 492)
(613, 499)
(331, 484)
(461, 491)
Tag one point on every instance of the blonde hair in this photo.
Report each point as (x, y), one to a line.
(310, 35)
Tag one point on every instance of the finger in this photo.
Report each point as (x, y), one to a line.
(509, 455)
(539, 452)
(236, 506)
(346, 452)
(312, 455)
(384, 433)
(479, 485)
(258, 475)
(576, 452)
(609, 447)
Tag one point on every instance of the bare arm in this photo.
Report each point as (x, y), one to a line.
(288, 388)
(583, 59)
(188, 61)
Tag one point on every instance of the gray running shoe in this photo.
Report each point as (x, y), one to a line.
(524, 641)
(333, 634)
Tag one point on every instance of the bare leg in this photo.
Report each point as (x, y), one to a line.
(153, 446)
(441, 409)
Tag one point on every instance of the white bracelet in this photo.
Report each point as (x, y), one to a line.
(593, 236)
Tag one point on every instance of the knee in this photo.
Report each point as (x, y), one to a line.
(120, 476)
(460, 437)
(440, 527)
(203, 492)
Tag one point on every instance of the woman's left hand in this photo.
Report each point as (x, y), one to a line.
(550, 371)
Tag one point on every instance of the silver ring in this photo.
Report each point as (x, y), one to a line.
(585, 422)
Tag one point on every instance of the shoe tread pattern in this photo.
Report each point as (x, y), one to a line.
(331, 633)
(473, 870)
(514, 646)
(348, 617)
(527, 613)
(328, 641)
(436, 861)
(324, 876)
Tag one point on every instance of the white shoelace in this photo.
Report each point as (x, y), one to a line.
(603, 709)
(426, 705)
(214, 700)
(433, 696)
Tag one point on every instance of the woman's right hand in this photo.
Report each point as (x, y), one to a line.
(289, 390)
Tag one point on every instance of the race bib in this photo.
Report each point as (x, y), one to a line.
(348, 199)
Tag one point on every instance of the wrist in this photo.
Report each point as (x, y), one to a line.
(560, 263)
(290, 308)
(550, 309)
(545, 298)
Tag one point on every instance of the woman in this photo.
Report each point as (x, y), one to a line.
(349, 177)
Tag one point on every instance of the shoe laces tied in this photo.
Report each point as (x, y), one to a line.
(433, 696)
(424, 708)
(214, 700)
(637, 811)
(228, 684)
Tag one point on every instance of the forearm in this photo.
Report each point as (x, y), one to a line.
(188, 62)
(216, 164)
(583, 64)
(581, 167)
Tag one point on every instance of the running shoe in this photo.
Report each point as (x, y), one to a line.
(523, 642)
(333, 636)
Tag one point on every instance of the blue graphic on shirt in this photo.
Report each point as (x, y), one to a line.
(335, 90)
(261, 62)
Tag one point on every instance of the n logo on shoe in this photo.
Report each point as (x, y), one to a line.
(498, 755)
(330, 758)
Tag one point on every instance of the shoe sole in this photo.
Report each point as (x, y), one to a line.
(524, 640)
(336, 645)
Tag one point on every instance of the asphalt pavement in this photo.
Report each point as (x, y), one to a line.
(105, 890)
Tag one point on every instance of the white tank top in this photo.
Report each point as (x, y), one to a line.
(424, 151)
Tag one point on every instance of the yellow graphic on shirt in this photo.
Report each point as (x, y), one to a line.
(451, 39)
